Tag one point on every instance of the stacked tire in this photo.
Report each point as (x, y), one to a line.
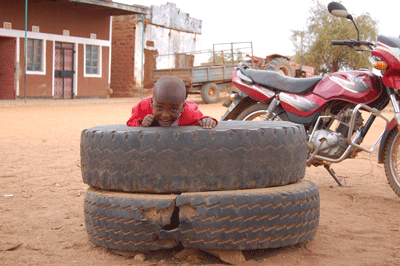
(238, 186)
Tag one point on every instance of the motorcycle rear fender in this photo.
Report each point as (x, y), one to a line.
(389, 129)
(234, 113)
(255, 91)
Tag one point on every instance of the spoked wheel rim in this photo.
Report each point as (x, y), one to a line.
(259, 116)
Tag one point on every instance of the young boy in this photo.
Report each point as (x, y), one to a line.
(168, 107)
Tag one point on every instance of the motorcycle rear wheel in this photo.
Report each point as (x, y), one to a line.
(257, 112)
(392, 161)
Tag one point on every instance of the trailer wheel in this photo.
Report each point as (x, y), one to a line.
(281, 65)
(233, 155)
(210, 92)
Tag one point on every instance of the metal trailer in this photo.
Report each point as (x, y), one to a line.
(206, 79)
(203, 80)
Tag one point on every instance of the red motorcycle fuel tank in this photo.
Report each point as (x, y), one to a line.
(351, 86)
(357, 86)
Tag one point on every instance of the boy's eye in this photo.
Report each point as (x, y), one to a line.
(158, 107)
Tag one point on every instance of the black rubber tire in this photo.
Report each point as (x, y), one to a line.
(127, 221)
(229, 220)
(391, 161)
(210, 92)
(233, 155)
(247, 219)
(281, 65)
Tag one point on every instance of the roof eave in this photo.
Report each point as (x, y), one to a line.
(115, 8)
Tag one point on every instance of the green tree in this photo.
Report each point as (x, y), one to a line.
(216, 58)
(226, 57)
(314, 43)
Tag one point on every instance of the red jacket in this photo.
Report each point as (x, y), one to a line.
(189, 117)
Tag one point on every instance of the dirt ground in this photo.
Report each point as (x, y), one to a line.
(41, 196)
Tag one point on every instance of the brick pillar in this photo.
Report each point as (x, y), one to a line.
(123, 56)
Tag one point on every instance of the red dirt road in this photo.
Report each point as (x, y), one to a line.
(41, 196)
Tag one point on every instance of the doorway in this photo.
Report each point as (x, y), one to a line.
(7, 68)
(64, 71)
(148, 67)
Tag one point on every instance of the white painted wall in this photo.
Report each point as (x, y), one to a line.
(171, 31)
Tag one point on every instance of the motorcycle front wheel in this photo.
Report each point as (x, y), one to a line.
(392, 161)
(258, 111)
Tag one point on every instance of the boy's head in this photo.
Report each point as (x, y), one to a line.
(168, 100)
(170, 88)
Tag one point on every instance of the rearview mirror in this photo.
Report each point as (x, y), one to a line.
(338, 10)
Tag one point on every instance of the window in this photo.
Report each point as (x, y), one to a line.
(92, 59)
(34, 54)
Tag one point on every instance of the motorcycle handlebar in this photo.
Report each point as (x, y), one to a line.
(352, 43)
(337, 43)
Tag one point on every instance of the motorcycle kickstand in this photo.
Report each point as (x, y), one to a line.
(330, 170)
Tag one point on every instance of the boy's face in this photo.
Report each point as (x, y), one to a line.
(166, 111)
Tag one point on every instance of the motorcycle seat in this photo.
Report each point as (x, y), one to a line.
(277, 81)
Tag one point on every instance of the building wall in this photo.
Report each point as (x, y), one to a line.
(171, 31)
(93, 86)
(54, 17)
(167, 31)
(123, 56)
(169, 16)
(38, 85)
(59, 21)
(168, 42)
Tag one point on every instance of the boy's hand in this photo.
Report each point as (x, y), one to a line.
(147, 120)
(207, 123)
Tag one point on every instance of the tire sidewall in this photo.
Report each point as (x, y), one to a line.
(389, 168)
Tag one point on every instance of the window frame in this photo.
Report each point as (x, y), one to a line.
(42, 71)
(99, 61)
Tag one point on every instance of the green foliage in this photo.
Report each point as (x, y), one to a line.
(314, 43)
(226, 57)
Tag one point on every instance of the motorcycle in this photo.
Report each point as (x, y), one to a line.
(331, 108)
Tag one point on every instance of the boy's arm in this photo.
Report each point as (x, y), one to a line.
(192, 115)
(207, 122)
(139, 112)
(200, 116)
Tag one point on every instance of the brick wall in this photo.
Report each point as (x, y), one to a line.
(123, 55)
(167, 31)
